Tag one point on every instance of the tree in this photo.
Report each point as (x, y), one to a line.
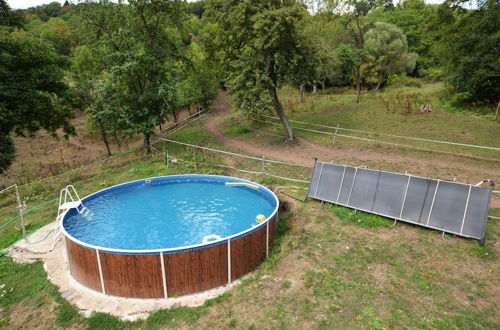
(143, 52)
(55, 32)
(261, 48)
(32, 90)
(355, 12)
(469, 50)
(412, 17)
(389, 48)
(86, 72)
(9, 18)
(46, 11)
(344, 66)
(196, 8)
(200, 79)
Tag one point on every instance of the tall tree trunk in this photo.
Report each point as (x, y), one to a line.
(117, 141)
(315, 89)
(498, 109)
(301, 93)
(147, 142)
(323, 85)
(279, 110)
(104, 136)
(175, 116)
(358, 84)
(189, 108)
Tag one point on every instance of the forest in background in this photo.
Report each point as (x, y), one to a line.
(132, 66)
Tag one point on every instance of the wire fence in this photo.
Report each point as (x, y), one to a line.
(42, 201)
(336, 131)
(264, 164)
(338, 128)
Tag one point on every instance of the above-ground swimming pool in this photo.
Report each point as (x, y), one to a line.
(169, 236)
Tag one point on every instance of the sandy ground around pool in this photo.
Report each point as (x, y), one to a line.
(88, 301)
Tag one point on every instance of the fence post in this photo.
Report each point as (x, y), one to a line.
(165, 153)
(336, 131)
(263, 166)
(20, 207)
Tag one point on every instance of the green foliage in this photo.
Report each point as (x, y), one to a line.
(323, 35)
(346, 62)
(388, 50)
(7, 152)
(32, 91)
(261, 48)
(412, 17)
(404, 81)
(200, 83)
(196, 7)
(467, 50)
(141, 50)
(46, 11)
(356, 24)
(9, 17)
(56, 32)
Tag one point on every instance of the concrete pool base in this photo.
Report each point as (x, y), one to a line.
(88, 301)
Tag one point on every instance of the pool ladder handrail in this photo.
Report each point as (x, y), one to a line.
(69, 199)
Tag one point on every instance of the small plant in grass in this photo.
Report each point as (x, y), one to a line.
(370, 320)
(269, 180)
(232, 324)
(37, 188)
(360, 218)
(484, 252)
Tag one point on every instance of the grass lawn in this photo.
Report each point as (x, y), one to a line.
(331, 267)
(332, 107)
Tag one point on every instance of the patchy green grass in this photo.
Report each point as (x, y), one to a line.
(334, 107)
(360, 218)
(326, 270)
(331, 267)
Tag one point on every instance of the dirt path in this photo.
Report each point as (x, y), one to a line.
(304, 151)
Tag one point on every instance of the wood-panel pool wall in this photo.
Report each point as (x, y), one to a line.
(170, 274)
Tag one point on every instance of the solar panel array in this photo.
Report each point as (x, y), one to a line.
(448, 206)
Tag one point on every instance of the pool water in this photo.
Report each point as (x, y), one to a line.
(167, 214)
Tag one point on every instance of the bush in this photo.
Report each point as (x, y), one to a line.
(433, 74)
(404, 81)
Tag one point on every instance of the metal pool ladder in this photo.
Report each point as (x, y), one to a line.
(69, 199)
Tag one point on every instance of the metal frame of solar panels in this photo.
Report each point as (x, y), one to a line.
(447, 206)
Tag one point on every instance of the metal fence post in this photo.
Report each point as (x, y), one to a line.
(335, 134)
(263, 166)
(20, 206)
